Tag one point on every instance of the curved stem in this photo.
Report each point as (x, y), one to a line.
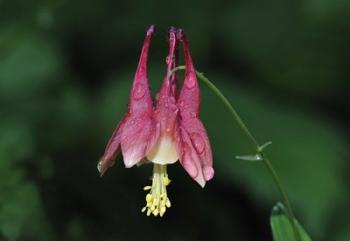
(286, 202)
(253, 140)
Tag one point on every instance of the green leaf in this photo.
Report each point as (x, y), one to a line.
(252, 158)
(282, 229)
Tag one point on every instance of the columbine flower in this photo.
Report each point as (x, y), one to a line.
(169, 132)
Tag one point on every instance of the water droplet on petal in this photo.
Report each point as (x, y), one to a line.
(139, 91)
(99, 166)
(198, 142)
(173, 107)
(190, 82)
(208, 173)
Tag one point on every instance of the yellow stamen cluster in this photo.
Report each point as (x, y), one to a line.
(157, 200)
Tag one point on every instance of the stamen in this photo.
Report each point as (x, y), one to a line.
(157, 200)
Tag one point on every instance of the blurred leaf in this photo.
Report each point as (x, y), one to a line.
(73, 113)
(13, 213)
(282, 229)
(31, 65)
(265, 33)
(344, 233)
(16, 140)
(21, 214)
(21, 210)
(327, 9)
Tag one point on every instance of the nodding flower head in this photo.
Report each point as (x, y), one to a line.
(162, 134)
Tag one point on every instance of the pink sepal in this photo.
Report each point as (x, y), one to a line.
(166, 109)
(112, 149)
(137, 132)
(139, 135)
(193, 144)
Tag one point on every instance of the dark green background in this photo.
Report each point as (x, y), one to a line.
(65, 72)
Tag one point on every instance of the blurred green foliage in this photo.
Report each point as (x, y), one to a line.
(65, 72)
(281, 227)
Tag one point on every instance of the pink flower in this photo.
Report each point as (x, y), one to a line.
(163, 134)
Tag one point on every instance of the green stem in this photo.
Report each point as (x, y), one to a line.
(253, 140)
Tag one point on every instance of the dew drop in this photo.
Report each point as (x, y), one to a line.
(139, 91)
(198, 142)
(173, 107)
(190, 82)
(99, 166)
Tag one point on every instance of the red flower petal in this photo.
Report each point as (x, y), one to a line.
(137, 132)
(140, 96)
(166, 112)
(139, 135)
(193, 133)
(200, 141)
(112, 149)
(189, 158)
